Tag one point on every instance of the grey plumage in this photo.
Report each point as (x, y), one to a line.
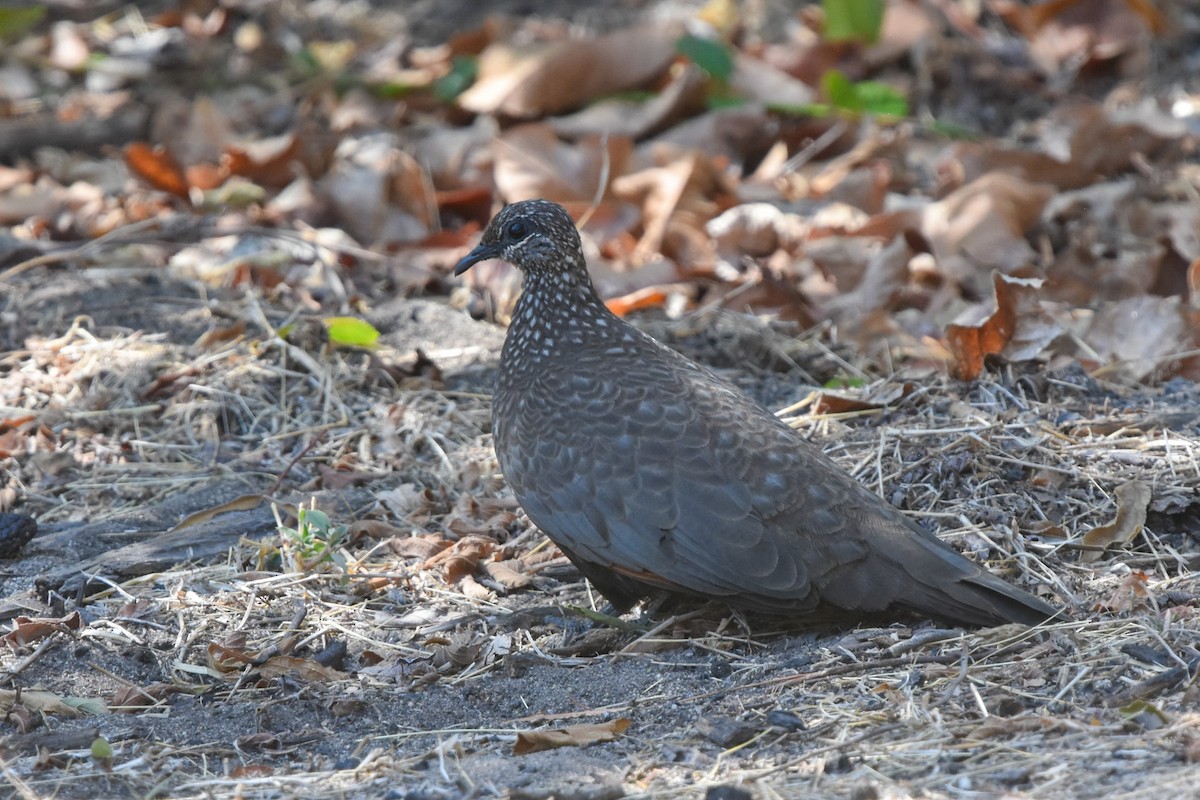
(653, 475)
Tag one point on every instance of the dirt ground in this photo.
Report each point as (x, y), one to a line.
(429, 685)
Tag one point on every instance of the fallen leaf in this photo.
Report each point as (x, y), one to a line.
(156, 167)
(540, 80)
(570, 736)
(49, 703)
(1133, 592)
(1132, 499)
(244, 503)
(1018, 329)
(531, 162)
(507, 574)
(28, 630)
(131, 698)
(1138, 335)
(304, 669)
(982, 226)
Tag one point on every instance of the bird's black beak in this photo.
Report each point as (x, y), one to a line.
(482, 252)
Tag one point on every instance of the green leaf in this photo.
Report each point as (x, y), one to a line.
(711, 56)
(864, 97)
(881, 99)
(314, 519)
(463, 70)
(16, 22)
(101, 749)
(351, 331)
(852, 20)
(840, 91)
(1139, 707)
(845, 383)
(817, 110)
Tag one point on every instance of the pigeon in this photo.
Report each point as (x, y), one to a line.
(656, 477)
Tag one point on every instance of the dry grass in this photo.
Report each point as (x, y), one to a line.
(411, 660)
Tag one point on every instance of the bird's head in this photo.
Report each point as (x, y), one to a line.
(536, 236)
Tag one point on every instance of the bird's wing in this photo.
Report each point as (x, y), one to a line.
(668, 474)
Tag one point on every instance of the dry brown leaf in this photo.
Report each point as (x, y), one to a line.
(304, 669)
(36, 701)
(230, 654)
(268, 162)
(616, 117)
(464, 557)
(531, 162)
(28, 630)
(755, 230)
(129, 698)
(570, 736)
(1133, 592)
(1083, 31)
(540, 80)
(1018, 329)
(672, 197)
(758, 80)
(880, 396)
(1140, 334)
(422, 545)
(639, 300)
(869, 277)
(982, 227)
(156, 167)
(375, 529)
(380, 192)
(508, 574)
(244, 503)
(969, 161)
(1132, 499)
(474, 589)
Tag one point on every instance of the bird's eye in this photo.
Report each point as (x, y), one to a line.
(516, 229)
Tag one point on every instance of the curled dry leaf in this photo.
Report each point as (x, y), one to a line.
(982, 226)
(474, 589)
(464, 557)
(46, 703)
(1132, 499)
(229, 655)
(507, 574)
(570, 736)
(129, 698)
(755, 230)
(549, 79)
(304, 669)
(1133, 592)
(28, 630)
(1018, 329)
(1141, 334)
(245, 502)
(531, 162)
(423, 545)
(156, 167)
(618, 117)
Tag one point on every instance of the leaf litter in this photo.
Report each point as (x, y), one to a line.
(220, 304)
